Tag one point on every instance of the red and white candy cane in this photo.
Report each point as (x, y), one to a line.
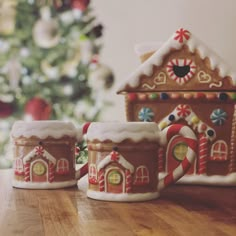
(27, 171)
(191, 140)
(51, 172)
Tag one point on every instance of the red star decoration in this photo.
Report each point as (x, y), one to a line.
(39, 150)
(115, 156)
(182, 35)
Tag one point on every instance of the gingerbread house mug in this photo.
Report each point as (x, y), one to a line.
(44, 154)
(123, 159)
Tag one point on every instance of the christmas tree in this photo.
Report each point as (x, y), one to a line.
(49, 65)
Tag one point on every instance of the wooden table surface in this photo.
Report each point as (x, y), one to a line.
(181, 210)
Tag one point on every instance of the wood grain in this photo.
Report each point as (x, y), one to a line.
(181, 210)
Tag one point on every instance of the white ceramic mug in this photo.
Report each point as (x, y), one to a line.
(44, 154)
(123, 163)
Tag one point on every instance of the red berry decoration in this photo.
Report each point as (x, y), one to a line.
(38, 109)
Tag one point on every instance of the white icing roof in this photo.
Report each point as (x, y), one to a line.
(43, 129)
(45, 154)
(118, 132)
(176, 42)
(121, 160)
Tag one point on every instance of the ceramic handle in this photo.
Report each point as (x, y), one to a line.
(191, 140)
(82, 171)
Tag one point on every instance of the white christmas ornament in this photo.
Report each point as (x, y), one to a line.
(46, 30)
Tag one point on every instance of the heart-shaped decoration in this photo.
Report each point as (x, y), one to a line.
(160, 79)
(203, 77)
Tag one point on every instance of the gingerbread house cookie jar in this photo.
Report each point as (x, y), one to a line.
(44, 154)
(186, 82)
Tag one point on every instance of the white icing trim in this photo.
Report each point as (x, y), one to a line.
(118, 132)
(221, 180)
(143, 168)
(33, 185)
(157, 59)
(189, 118)
(122, 197)
(46, 154)
(43, 129)
(122, 161)
(225, 153)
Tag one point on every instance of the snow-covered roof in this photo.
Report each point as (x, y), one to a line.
(176, 41)
(43, 129)
(39, 150)
(118, 158)
(120, 131)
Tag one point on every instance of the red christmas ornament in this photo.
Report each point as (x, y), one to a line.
(38, 109)
(6, 109)
(80, 4)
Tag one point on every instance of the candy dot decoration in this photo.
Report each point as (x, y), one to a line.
(164, 96)
(203, 127)
(223, 96)
(132, 97)
(146, 114)
(195, 120)
(199, 95)
(210, 132)
(153, 96)
(218, 117)
(188, 95)
(142, 97)
(163, 125)
(210, 96)
(175, 95)
(233, 96)
(171, 117)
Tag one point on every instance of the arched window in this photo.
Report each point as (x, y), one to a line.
(219, 151)
(62, 166)
(18, 166)
(92, 174)
(141, 176)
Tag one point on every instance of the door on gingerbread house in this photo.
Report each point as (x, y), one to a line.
(115, 180)
(176, 152)
(39, 171)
